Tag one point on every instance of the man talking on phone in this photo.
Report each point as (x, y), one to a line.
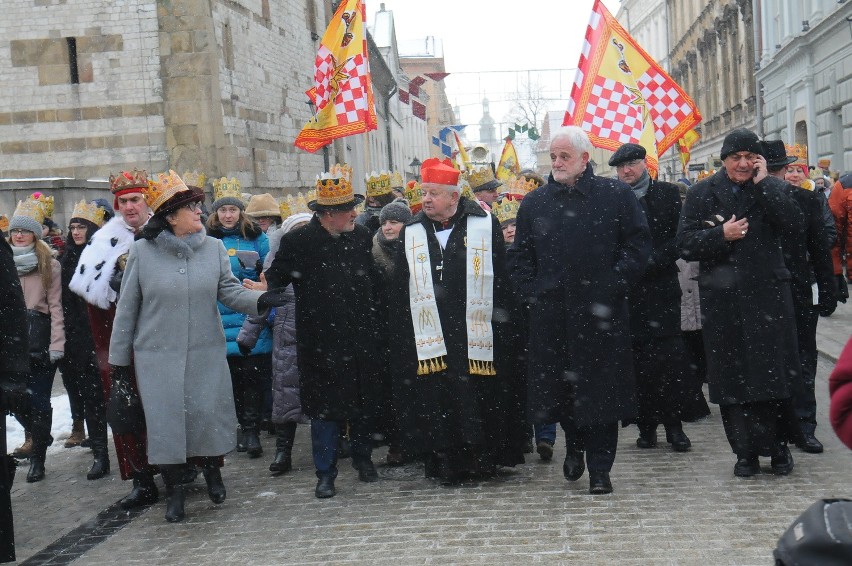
(732, 223)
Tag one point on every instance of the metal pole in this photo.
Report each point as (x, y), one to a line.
(756, 22)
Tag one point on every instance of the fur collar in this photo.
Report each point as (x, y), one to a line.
(187, 245)
(98, 263)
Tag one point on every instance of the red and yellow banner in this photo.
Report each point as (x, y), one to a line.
(463, 160)
(621, 95)
(509, 166)
(684, 145)
(342, 91)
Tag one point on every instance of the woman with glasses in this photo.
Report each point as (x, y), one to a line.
(168, 324)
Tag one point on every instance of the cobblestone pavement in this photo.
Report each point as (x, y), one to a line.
(667, 508)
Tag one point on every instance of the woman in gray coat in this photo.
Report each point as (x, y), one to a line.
(168, 324)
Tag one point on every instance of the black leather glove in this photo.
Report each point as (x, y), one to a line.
(827, 304)
(115, 280)
(273, 298)
(119, 376)
(244, 349)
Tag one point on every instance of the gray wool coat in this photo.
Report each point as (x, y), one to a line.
(167, 322)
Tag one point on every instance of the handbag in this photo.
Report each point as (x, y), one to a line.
(39, 332)
(124, 411)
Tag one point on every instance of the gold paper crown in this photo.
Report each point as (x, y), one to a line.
(297, 204)
(31, 208)
(378, 184)
(506, 210)
(465, 187)
(225, 187)
(194, 179)
(799, 151)
(414, 196)
(284, 209)
(165, 187)
(89, 211)
(397, 182)
(4, 223)
(335, 186)
(479, 176)
(46, 203)
(135, 179)
(520, 185)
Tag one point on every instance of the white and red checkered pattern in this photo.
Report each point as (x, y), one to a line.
(610, 114)
(667, 105)
(324, 65)
(351, 99)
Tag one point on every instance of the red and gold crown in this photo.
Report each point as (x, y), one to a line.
(89, 211)
(414, 195)
(194, 179)
(127, 180)
(799, 151)
(4, 223)
(164, 188)
(46, 203)
(520, 185)
(334, 188)
(378, 184)
(396, 181)
(506, 210)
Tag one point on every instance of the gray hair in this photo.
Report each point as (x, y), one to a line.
(575, 136)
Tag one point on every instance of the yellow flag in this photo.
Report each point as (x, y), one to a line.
(684, 145)
(509, 165)
(462, 156)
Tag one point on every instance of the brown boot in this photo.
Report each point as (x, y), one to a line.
(78, 434)
(25, 449)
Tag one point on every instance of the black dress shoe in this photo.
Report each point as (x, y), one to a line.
(366, 470)
(679, 441)
(599, 483)
(647, 441)
(782, 461)
(574, 465)
(746, 467)
(325, 487)
(810, 444)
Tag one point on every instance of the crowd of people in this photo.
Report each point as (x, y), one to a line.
(457, 319)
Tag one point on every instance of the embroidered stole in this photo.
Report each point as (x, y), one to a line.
(428, 335)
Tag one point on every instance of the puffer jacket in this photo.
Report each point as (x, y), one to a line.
(840, 203)
(232, 320)
(690, 304)
(286, 401)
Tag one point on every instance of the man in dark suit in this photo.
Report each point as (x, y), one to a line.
(662, 390)
(808, 257)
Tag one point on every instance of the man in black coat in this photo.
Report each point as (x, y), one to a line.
(732, 222)
(663, 391)
(329, 261)
(14, 367)
(807, 255)
(581, 243)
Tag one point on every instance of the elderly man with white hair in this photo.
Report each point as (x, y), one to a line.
(581, 242)
(459, 402)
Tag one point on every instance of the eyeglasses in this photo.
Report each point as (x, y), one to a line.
(18, 231)
(193, 206)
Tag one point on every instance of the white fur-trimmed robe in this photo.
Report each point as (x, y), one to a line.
(98, 263)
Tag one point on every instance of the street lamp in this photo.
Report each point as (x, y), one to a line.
(415, 165)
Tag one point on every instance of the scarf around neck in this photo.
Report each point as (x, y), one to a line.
(25, 259)
(640, 189)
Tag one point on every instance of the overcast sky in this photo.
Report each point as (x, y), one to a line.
(484, 40)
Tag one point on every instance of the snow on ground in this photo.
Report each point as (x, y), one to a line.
(60, 428)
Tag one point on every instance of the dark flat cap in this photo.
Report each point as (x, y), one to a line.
(627, 152)
(775, 154)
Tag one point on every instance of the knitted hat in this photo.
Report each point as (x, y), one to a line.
(227, 192)
(29, 215)
(294, 219)
(741, 140)
(263, 205)
(397, 210)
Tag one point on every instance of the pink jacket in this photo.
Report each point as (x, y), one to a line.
(49, 302)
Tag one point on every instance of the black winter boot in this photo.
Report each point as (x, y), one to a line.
(98, 434)
(251, 419)
(285, 433)
(40, 422)
(215, 486)
(175, 496)
(144, 491)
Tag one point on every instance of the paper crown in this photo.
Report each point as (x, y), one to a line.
(296, 204)
(438, 172)
(465, 188)
(4, 223)
(46, 203)
(89, 211)
(224, 188)
(824, 163)
(194, 179)
(520, 185)
(334, 188)
(799, 151)
(396, 181)
(378, 184)
(127, 180)
(164, 188)
(506, 210)
(31, 208)
(482, 179)
(414, 196)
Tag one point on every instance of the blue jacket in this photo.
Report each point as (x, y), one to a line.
(232, 320)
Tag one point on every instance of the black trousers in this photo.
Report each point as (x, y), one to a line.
(807, 318)
(598, 440)
(247, 378)
(83, 384)
(756, 429)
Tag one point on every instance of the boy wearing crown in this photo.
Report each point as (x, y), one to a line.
(97, 279)
(379, 194)
(329, 261)
(458, 400)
